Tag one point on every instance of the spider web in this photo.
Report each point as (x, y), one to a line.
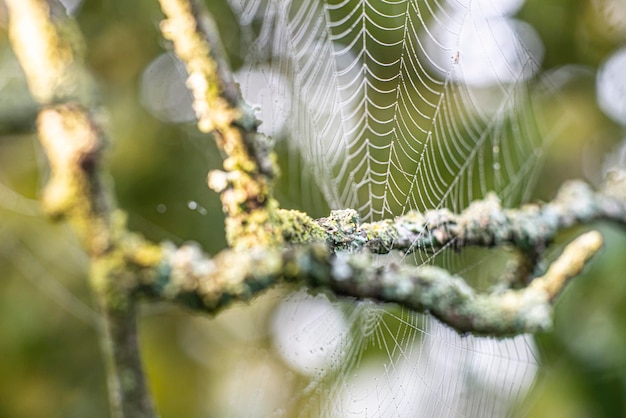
(398, 105)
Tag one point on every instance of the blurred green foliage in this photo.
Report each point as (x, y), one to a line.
(49, 356)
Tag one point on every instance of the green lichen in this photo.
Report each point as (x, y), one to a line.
(298, 227)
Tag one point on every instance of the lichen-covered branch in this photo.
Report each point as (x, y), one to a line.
(484, 223)
(250, 165)
(188, 277)
(74, 142)
(44, 51)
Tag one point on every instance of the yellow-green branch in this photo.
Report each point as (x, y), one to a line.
(245, 185)
(74, 142)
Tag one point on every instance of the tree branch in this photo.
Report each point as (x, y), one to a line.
(209, 285)
(74, 142)
(245, 186)
(484, 224)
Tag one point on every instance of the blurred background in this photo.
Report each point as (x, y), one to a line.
(50, 363)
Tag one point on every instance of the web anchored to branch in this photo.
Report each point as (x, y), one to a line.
(397, 106)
